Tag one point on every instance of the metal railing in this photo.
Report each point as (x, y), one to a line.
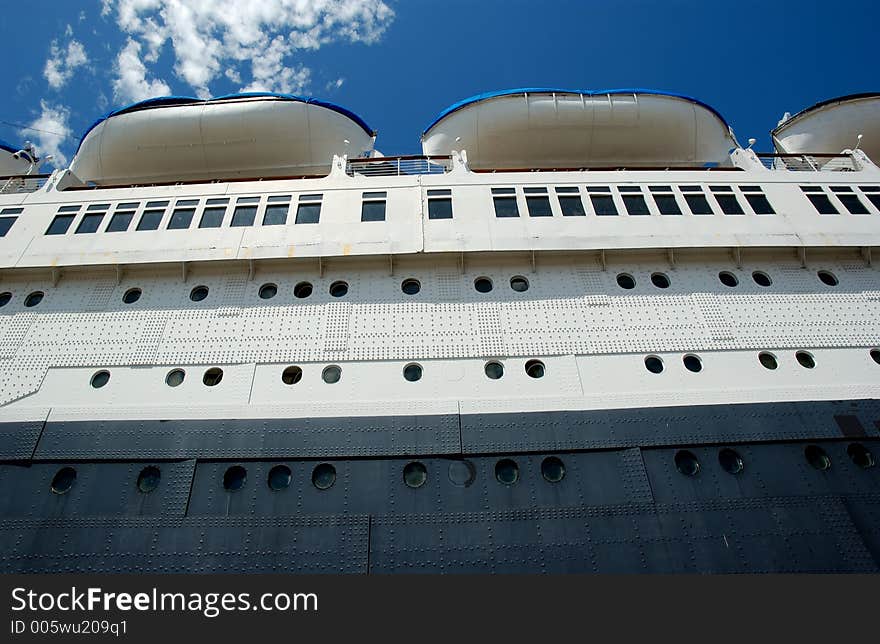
(809, 162)
(22, 183)
(398, 166)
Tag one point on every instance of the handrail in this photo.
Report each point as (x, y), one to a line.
(399, 166)
(808, 162)
(18, 183)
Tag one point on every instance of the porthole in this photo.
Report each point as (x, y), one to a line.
(415, 474)
(817, 457)
(198, 294)
(625, 280)
(875, 355)
(767, 360)
(33, 299)
(331, 374)
(175, 377)
(132, 295)
(279, 478)
(268, 291)
(302, 290)
(234, 478)
(552, 469)
(410, 286)
(660, 280)
(462, 473)
(535, 369)
(805, 359)
(761, 278)
(507, 471)
(483, 284)
(730, 461)
(412, 372)
(5, 298)
(148, 479)
(494, 370)
(100, 378)
(860, 455)
(728, 279)
(339, 289)
(654, 364)
(213, 376)
(519, 284)
(828, 278)
(63, 480)
(687, 463)
(693, 363)
(291, 375)
(324, 476)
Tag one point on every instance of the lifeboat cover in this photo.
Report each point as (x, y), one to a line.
(9, 165)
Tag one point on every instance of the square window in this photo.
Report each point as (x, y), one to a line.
(572, 206)
(276, 214)
(729, 204)
(6, 224)
(181, 218)
(822, 204)
(698, 204)
(60, 224)
(853, 204)
(539, 206)
(636, 205)
(212, 217)
(874, 198)
(120, 222)
(667, 205)
(760, 204)
(373, 211)
(244, 216)
(150, 220)
(90, 223)
(603, 205)
(506, 207)
(308, 213)
(439, 208)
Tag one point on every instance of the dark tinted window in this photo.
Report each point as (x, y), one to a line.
(539, 206)
(698, 204)
(60, 224)
(853, 204)
(729, 204)
(571, 206)
(6, 224)
(760, 204)
(373, 211)
(822, 204)
(212, 218)
(90, 223)
(667, 205)
(276, 214)
(119, 222)
(181, 218)
(150, 220)
(874, 199)
(506, 207)
(603, 204)
(636, 205)
(244, 216)
(308, 213)
(439, 208)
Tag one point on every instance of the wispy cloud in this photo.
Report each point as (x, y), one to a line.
(50, 130)
(64, 61)
(130, 82)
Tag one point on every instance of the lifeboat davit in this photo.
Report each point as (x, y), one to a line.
(13, 160)
(259, 135)
(557, 128)
(832, 126)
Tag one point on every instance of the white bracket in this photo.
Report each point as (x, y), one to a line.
(603, 260)
(118, 274)
(802, 254)
(534, 263)
(56, 275)
(320, 267)
(461, 263)
(866, 255)
(184, 271)
(252, 269)
(737, 257)
(670, 257)
(391, 265)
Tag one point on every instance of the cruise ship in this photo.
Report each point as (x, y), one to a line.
(584, 331)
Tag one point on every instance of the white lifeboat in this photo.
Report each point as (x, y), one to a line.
(832, 126)
(555, 128)
(176, 139)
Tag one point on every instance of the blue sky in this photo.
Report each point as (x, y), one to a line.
(398, 63)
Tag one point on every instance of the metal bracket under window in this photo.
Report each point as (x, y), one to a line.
(252, 269)
(184, 270)
(118, 274)
(320, 267)
(737, 257)
(534, 262)
(461, 263)
(602, 260)
(670, 256)
(802, 253)
(56, 275)
(866, 255)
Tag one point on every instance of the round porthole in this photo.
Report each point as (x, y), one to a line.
(331, 374)
(339, 289)
(415, 474)
(860, 455)
(291, 375)
(875, 355)
(761, 278)
(33, 299)
(494, 370)
(817, 457)
(175, 377)
(483, 284)
(5, 298)
(100, 379)
(767, 360)
(132, 295)
(730, 461)
(213, 376)
(654, 364)
(535, 369)
(519, 284)
(693, 363)
(324, 476)
(687, 463)
(552, 469)
(63, 480)
(148, 479)
(198, 294)
(828, 278)
(302, 290)
(412, 372)
(507, 471)
(279, 478)
(625, 280)
(728, 279)
(462, 473)
(234, 478)
(410, 286)
(268, 291)
(805, 359)
(660, 280)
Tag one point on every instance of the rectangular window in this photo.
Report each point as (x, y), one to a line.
(873, 194)
(217, 201)
(636, 205)
(90, 222)
(603, 202)
(243, 216)
(247, 200)
(69, 208)
(567, 190)
(6, 224)
(629, 188)
(103, 207)
(853, 204)
(665, 200)
(506, 207)
(157, 204)
(538, 202)
(308, 213)
(822, 204)
(760, 204)
(698, 204)
(440, 204)
(212, 217)
(373, 206)
(11, 211)
(276, 213)
(729, 205)
(120, 221)
(181, 218)
(571, 206)
(811, 188)
(60, 224)
(150, 220)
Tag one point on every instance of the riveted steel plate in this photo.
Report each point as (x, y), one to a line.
(257, 438)
(864, 510)
(18, 440)
(705, 424)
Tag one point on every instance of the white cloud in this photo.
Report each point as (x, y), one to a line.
(131, 82)
(51, 131)
(63, 62)
(211, 39)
